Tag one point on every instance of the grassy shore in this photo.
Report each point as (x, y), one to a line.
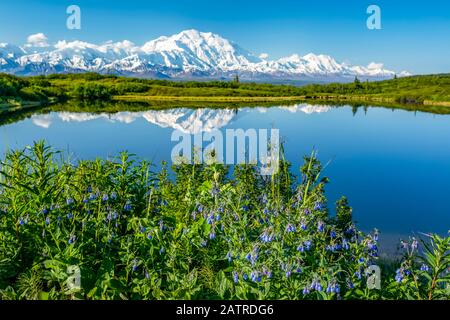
(421, 91)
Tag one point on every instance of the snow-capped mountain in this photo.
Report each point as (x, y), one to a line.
(189, 54)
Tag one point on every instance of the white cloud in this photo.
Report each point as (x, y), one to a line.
(37, 40)
(374, 65)
(263, 56)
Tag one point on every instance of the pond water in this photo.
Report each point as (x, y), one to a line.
(393, 165)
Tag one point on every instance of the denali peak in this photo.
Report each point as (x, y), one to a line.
(188, 54)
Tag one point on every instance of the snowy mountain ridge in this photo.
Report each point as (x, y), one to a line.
(188, 54)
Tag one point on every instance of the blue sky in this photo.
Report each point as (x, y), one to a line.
(415, 35)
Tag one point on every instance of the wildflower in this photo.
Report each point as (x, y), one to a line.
(127, 207)
(105, 198)
(345, 245)
(399, 275)
(320, 226)
(203, 243)
(135, 265)
(358, 275)
(290, 228)
(301, 248)
(142, 229)
(266, 211)
(72, 239)
(113, 196)
(218, 217)
(253, 276)
(200, 208)
(215, 191)
(303, 226)
(149, 236)
(235, 277)
(69, 216)
(337, 289)
(318, 206)
(212, 236)
(288, 273)
(44, 211)
(89, 189)
(307, 212)
(350, 284)
(306, 291)
(21, 221)
(92, 197)
(307, 245)
(424, 267)
(414, 244)
(376, 236)
(404, 244)
(47, 221)
(162, 250)
(361, 260)
(333, 234)
(229, 257)
(245, 277)
(266, 237)
(147, 276)
(69, 201)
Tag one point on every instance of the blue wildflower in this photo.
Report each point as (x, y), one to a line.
(69, 216)
(235, 277)
(212, 236)
(320, 226)
(318, 206)
(245, 277)
(162, 250)
(424, 267)
(72, 239)
(47, 221)
(290, 228)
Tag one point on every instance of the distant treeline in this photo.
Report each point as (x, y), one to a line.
(91, 86)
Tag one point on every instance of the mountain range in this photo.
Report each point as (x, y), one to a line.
(189, 54)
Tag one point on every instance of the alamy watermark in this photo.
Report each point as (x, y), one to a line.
(73, 22)
(374, 20)
(237, 146)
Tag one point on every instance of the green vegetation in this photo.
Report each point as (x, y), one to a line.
(195, 233)
(417, 90)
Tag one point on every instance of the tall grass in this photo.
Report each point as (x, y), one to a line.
(197, 234)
